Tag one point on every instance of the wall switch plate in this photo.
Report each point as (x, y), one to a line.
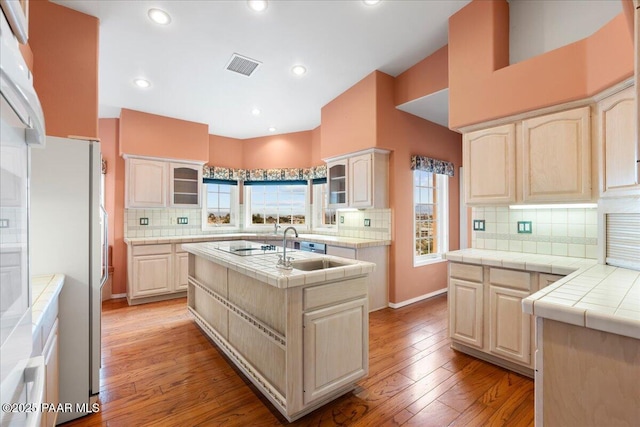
(183, 220)
(367, 222)
(341, 219)
(525, 227)
(144, 221)
(4, 223)
(478, 225)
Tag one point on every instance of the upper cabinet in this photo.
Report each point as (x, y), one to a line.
(556, 157)
(146, 183)
(184, 185)
(489, 159)
(359, 180)
(617, 129)
(152, 183)
(544, 159)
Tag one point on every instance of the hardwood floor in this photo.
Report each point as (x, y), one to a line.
(160, 370)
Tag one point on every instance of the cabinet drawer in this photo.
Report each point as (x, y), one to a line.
(510, 278)
(465, 271)
(151, 249)
(318, 296)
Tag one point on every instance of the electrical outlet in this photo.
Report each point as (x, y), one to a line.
(4, 223)
(478, 225)
(183, 220)
(341, 219)
(367, 222)
(144, 221)
(525, 227)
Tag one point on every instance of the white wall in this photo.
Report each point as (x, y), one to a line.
(539, 26)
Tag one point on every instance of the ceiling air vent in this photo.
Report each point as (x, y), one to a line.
(242, 65)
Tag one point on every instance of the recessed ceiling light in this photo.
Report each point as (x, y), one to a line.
(298, 70)
(255, 112)
(159, 16)
(272, 129)
(257, 5)
(371, 2)
(142, 83)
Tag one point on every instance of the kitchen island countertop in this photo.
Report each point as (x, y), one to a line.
(263, 267)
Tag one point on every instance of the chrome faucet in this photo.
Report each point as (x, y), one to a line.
(275, 227)
(284, 263)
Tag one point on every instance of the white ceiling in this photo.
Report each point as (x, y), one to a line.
(340, 42)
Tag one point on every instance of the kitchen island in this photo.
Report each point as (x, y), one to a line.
(300, 335)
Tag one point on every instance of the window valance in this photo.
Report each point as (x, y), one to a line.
(254, 175)
(428, 164)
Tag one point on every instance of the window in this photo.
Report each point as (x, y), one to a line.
(431, 213)
(323, 215)
(219, 205)
(282, 204)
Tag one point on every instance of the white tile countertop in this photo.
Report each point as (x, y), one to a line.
(350, 242)
(600, 297)
(45, 289)
(262, 267)
(521, 261)
(596, 296)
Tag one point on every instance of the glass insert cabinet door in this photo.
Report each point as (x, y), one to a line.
(337, 180)
(185, 185)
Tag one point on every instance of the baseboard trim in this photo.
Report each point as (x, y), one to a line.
(416, 299)
(116, 296)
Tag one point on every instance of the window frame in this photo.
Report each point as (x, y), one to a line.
(320, 205)
(442, 226)
(248, 215)
(234, 210)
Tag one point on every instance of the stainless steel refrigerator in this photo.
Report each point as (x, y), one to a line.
(68, 236)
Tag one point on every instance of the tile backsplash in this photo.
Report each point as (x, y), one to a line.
(564, 232)
(164, 223)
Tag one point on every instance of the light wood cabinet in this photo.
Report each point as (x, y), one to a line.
(509, 326)
(544, 159)
(185, 182)
(325, 330)
(486, 319)
(617, 129)
(337, 182)
(146, 183)
(182, 271)
(153, 183)
(466, 312)
(151, 275)
(489, 157)
(556, 157)
(359, 180)
(52, 376)
(156, 272)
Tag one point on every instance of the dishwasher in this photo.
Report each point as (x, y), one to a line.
(318, 248)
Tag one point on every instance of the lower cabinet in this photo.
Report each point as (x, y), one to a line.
(485, 313)
(52, 376)
(466, 312)
(156, 272)
(509, 326)
(325, 330)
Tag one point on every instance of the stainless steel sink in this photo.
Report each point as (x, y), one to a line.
(316, 264)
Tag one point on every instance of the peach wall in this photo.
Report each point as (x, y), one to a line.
(349, 121)
(289, 150)
(225, 152)
(406, 135)
(482, 86)
(65, 68)
(145, 134)
(426, 77)
(316, 140)
(114, 201)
